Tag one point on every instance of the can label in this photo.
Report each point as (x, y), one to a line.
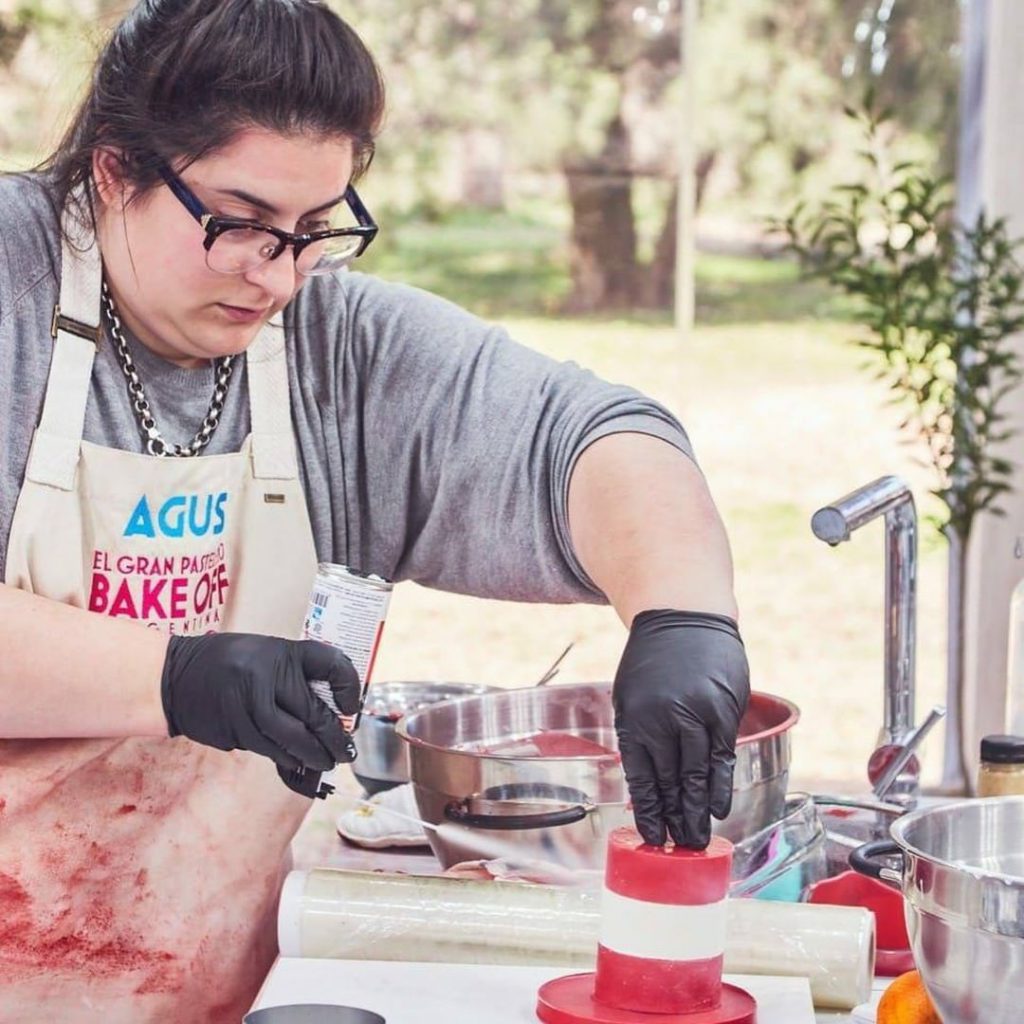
(347, 610)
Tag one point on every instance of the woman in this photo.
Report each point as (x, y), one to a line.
(197, 403)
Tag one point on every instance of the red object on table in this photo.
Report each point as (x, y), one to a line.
(661, 945)
(893, 955)
(570, 1000)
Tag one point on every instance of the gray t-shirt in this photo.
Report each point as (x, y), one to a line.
(432, 447)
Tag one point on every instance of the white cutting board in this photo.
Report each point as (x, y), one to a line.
(421, 993)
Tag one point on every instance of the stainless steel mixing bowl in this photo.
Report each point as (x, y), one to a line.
(312, 1013)
(381, 760)
(561, 808)
(963, 889)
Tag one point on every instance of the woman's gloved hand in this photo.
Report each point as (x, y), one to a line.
(240, 691)
(680, 691)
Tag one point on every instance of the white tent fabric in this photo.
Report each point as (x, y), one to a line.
(992, 158)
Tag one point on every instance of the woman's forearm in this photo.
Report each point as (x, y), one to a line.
(65, 672)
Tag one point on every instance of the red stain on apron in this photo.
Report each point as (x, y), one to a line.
(33, 938)
(139, 876)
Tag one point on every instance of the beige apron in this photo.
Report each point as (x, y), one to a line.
(138, 877)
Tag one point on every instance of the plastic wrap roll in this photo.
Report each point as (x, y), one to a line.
(356, 915)
(834, 950)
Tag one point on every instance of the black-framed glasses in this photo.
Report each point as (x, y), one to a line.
(234, 245)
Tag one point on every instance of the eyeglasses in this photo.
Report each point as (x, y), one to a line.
(234, 245)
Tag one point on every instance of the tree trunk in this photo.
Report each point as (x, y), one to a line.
(660, 287)
(659, 290)
(482, 170)
(602, 257)
(11, 37)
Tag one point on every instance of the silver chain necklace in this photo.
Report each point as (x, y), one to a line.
(155, 443)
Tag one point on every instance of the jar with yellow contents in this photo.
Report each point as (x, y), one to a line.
(1001, 772)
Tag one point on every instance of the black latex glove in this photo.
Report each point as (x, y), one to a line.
(306, 782)
(240, 691)
(680, 692)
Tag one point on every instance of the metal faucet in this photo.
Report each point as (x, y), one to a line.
(889, 496)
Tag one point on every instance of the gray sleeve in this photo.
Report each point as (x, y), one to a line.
(6, 263)
(468, 441)
(29, 243)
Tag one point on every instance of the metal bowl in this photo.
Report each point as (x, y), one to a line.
(312, 1013)
(850, 822)
(963, 888)
(457, 778)
(381, 761)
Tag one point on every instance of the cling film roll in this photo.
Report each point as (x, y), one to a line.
(356, 915)
(371, 916)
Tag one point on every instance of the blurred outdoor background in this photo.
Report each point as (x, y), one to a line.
(528, 171)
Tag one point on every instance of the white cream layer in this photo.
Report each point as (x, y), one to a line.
(661, 931)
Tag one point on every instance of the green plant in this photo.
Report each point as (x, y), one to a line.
(940, 300)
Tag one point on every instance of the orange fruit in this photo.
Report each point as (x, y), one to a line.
(906, 1001)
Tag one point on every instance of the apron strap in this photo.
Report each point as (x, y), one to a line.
(76, 329)
(76, 332)
(273, 442)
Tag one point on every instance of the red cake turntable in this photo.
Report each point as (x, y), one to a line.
(661, 944)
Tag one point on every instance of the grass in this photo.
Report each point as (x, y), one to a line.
(739, 290)
(502, 265)
(494, 264)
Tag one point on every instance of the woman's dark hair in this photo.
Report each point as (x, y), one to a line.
(180, 78)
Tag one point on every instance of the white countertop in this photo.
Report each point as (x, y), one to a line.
(427, 993)
(862, 1015)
